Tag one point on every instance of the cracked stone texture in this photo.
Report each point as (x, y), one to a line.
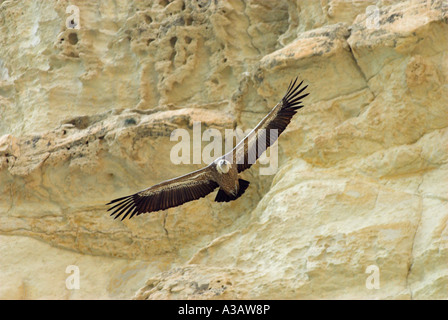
(86, 116)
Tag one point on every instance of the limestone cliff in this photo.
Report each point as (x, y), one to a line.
(86, 116)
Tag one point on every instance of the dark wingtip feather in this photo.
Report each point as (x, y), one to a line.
(116, 200)
(291, 85)
(298, 99)
(121, 205)
(292, 89)
(292, 97)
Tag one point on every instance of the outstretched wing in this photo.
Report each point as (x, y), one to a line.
(168, 194)
(262, 136)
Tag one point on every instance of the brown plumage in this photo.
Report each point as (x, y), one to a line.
(222, 173)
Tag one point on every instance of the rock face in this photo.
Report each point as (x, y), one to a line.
(358, 208)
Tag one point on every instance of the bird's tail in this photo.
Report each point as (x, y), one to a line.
(222, 196)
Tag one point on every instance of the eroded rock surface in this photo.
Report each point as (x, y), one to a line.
(86, 116)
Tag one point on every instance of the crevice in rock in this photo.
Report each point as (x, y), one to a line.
(411, 254)
(247, 29)
(352, 54)
(164, 224)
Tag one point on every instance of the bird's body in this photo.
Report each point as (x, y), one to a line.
(222, 173)
(226, 175)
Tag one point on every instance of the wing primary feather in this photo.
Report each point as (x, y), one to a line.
(296, 107)
(292, 87)
(120, 211)
(293, 96)
(130, 208)
(289, 86)
(293, 90)
(116, 200)
(298, 99)
(121, 205)
(133, 213)
(118, 204)
(134, 210)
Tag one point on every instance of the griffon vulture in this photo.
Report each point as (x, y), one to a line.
(222, 172)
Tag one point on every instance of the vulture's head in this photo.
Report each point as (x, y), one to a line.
(223, 166)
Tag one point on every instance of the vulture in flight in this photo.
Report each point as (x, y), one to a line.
(222, 173)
